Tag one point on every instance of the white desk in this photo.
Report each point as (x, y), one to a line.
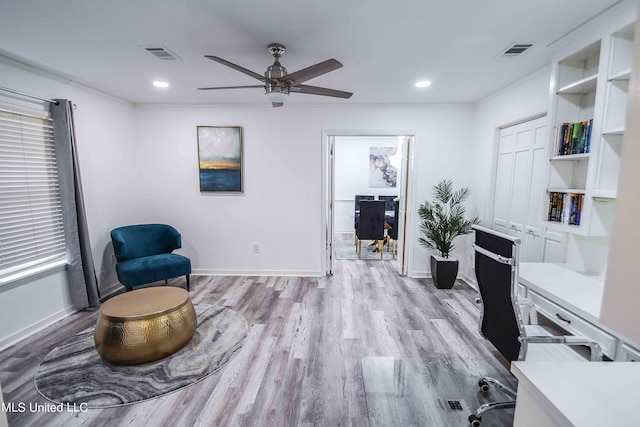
(573, 301)
(575, 291)
(577, 394)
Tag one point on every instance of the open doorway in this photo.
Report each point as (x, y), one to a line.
(371, 167)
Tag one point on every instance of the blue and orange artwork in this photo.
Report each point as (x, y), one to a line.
(220, 159)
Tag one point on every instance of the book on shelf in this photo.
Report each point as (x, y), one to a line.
(573, 138)
(565, 207)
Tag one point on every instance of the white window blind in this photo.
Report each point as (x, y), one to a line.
(31, 229)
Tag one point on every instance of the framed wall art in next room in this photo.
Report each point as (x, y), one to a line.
(220, 159)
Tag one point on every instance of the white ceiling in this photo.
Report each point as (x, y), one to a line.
(385, 46)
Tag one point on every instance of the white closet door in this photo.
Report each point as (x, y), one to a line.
(521, 180)
(503, 179)
(533, 232)
(521, 189)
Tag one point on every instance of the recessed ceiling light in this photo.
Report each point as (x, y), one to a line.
(163, 85)
(423, 83)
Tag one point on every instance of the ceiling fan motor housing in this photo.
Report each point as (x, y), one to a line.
(274, 72)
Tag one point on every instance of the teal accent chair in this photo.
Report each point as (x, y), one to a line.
(143, 254)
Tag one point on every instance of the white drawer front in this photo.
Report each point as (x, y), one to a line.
(574, 324)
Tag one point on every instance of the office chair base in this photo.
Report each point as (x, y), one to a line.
(484, 382)
(476, 418)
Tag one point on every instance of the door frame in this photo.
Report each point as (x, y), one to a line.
(405, 265)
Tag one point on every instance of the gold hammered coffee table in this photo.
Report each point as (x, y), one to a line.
(144, 325)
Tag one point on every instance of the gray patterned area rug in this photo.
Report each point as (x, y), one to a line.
(74, 372)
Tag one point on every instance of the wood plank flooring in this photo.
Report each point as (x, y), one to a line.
(301, 364)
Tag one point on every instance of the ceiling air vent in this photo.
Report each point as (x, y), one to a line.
(515, 49)
(161, 52)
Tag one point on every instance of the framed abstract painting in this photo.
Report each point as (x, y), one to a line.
(382, 172)
(220, 159)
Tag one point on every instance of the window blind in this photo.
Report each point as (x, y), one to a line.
(31, 228)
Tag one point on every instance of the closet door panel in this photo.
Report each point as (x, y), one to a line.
(503, 180)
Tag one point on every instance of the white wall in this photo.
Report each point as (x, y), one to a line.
(352, 175)
(525, 99)
(105, 131)
(281, 209)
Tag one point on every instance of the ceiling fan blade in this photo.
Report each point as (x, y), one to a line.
(277, 104)
(315, 90)
(312, 71)
(230, 87)
(239, 68)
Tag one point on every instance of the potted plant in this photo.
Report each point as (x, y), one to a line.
(442, 220)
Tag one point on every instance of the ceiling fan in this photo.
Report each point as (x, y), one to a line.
(278, 83)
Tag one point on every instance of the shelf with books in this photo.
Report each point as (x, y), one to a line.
(565, 207)
(573, 138)
(570, 157)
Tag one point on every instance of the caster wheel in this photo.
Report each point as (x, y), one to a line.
(484, 386)
(474, 421)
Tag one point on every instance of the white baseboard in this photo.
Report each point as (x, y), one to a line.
(35, 327)
(288, 273)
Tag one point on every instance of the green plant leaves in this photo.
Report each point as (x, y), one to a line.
(443, 219)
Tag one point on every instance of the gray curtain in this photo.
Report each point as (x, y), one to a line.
(80, 270)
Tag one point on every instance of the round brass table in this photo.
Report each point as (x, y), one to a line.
(144, 325)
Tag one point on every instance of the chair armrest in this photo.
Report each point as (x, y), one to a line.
(596, 350)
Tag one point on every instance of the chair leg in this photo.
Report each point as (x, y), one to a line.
(359, 248)
(381, 247)
(484, 382)
(187, 276)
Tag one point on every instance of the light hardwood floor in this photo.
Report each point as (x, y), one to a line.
(301, 364)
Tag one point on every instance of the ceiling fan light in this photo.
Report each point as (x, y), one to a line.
(277, 96)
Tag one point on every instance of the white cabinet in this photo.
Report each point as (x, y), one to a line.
(520, 190)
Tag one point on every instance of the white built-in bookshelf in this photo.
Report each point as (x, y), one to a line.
(587, 124)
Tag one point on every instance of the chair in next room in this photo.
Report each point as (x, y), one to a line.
(356, 210)
(496, 268)
(144, 254)
(370, 224)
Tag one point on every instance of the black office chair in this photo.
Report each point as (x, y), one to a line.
(370, 224)
(501, 322)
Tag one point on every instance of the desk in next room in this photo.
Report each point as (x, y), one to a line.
(572, 300)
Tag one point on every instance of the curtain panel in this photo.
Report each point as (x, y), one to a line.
(81, 270)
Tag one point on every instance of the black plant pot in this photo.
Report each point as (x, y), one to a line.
(444, 272)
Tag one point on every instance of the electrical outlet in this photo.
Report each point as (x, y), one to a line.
(255, 248)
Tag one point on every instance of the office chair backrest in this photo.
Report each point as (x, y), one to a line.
(496, 265)
(371, 222)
